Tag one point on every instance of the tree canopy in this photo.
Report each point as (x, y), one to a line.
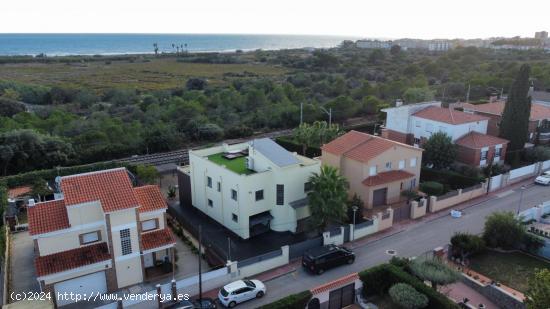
(439, 150)
(538, 292)
(434, 271)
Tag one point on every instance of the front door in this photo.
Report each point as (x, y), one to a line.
(379, 197)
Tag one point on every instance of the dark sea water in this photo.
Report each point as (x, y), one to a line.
(109, 44)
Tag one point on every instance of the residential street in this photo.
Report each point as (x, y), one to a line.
(413, 241)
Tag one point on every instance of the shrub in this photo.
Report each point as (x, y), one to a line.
(432, 188)
(434, 271)
(504, 230)
(377, 281)
(536, 154)
(465, 244)
(294, 301)
(407, 297)
(453, 179)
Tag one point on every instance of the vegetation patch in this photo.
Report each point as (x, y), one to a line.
(237, 165)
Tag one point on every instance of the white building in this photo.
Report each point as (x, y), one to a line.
(439, 45)
(374, 44)
(251, 187)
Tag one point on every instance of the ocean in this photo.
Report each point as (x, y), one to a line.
(112, 44)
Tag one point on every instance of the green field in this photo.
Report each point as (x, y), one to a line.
(237, 165)
(143, 74)
(511, 269)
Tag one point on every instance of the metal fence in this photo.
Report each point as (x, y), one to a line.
(447, 195)
(261, 257)
(296, 250)
(472, 188)
(366, 223)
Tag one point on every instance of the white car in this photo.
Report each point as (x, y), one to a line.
(241, 291)
(543, 179)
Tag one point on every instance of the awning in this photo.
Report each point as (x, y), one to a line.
(261, 218)
(299, 203)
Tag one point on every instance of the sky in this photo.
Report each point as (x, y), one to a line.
(424, 19)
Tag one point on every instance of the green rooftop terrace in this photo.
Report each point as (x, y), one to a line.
(237, 165)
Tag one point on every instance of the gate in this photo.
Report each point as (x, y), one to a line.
(402, 213)
(346, 233)
(342, 297)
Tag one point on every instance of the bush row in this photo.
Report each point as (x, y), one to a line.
(294, 301)
(378, 280)
(50, 174)
(453, 179)
(292, 146)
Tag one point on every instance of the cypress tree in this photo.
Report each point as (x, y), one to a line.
(515, 118)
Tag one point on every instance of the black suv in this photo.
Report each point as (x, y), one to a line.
(320, 259)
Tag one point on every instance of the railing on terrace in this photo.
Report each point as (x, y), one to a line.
(259, 258)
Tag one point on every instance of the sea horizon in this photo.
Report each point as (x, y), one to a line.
(108, 44)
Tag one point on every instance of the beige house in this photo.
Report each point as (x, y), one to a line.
(100, 236)
(377, 169)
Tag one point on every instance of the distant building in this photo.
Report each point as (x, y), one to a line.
(374, 44)
(439, 45)
(543, 35)
(251, 188)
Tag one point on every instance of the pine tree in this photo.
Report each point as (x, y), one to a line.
(515, 118)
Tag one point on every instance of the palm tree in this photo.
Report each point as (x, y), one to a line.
(328, 198)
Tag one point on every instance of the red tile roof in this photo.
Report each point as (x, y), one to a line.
(448, 115)
(111, 187)
(47, 217)
(361, 146)
(150, 198)
(386, 177)
(156, 239)
(538, 111)
(18, 191)
(477, 140)
(66, 260)
(338, 283)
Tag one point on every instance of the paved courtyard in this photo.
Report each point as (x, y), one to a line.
(23, 276)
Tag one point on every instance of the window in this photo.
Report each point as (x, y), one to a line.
(259, 195)
(416, 141)
(125, 241)
(235, 217)
(418, 124)
(210, 203)
(149, 225)
(429, 127)
(498, 151)
(209, 182)
(219, 186)
(401, 164)
(372, 170)
(413, 162)
(233, 194)
(308, 186)
(280, 195)
(484, 155)
(388, 165)
(89, 238)
(413, 183)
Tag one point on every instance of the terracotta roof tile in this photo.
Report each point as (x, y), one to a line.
(70, 259)
(150, 198)
(538, 111)
(477, 140)
(47, 217)
(448, 115)
(338, 283)
(156, 239)
(111, 187)
(386, 177)
(18, 191)
(361, 146)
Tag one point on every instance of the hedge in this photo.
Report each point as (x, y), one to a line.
(378, 280)
(29, 177)
(292, 146)
(450, 178)
(432, 188)
(3, 199)
(294, 301)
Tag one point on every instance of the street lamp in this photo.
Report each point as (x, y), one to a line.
(354, 208)
(520, 198)
(329, 113)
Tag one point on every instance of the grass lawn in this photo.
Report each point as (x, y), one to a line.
(237, 165)
(164, 73)
(511, 269)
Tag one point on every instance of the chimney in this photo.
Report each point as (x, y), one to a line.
(31, 202)
(398, 102)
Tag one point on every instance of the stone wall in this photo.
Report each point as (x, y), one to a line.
(495, 294)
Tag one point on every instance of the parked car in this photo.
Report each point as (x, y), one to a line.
(543, 179)
(241, 291)
(320, 259)
(184, 304)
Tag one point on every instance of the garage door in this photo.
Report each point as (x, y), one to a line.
(85, 285)
(342, 297)
(379, 197)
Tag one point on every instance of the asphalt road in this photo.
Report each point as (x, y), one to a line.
(414, 241)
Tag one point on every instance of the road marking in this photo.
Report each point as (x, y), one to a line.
(505, 193)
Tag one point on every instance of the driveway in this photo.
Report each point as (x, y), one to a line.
(413, 241)
(23, 276)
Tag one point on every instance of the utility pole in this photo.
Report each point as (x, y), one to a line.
(468, 95)
(330, 117)
(200, 262)
(301, 112)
